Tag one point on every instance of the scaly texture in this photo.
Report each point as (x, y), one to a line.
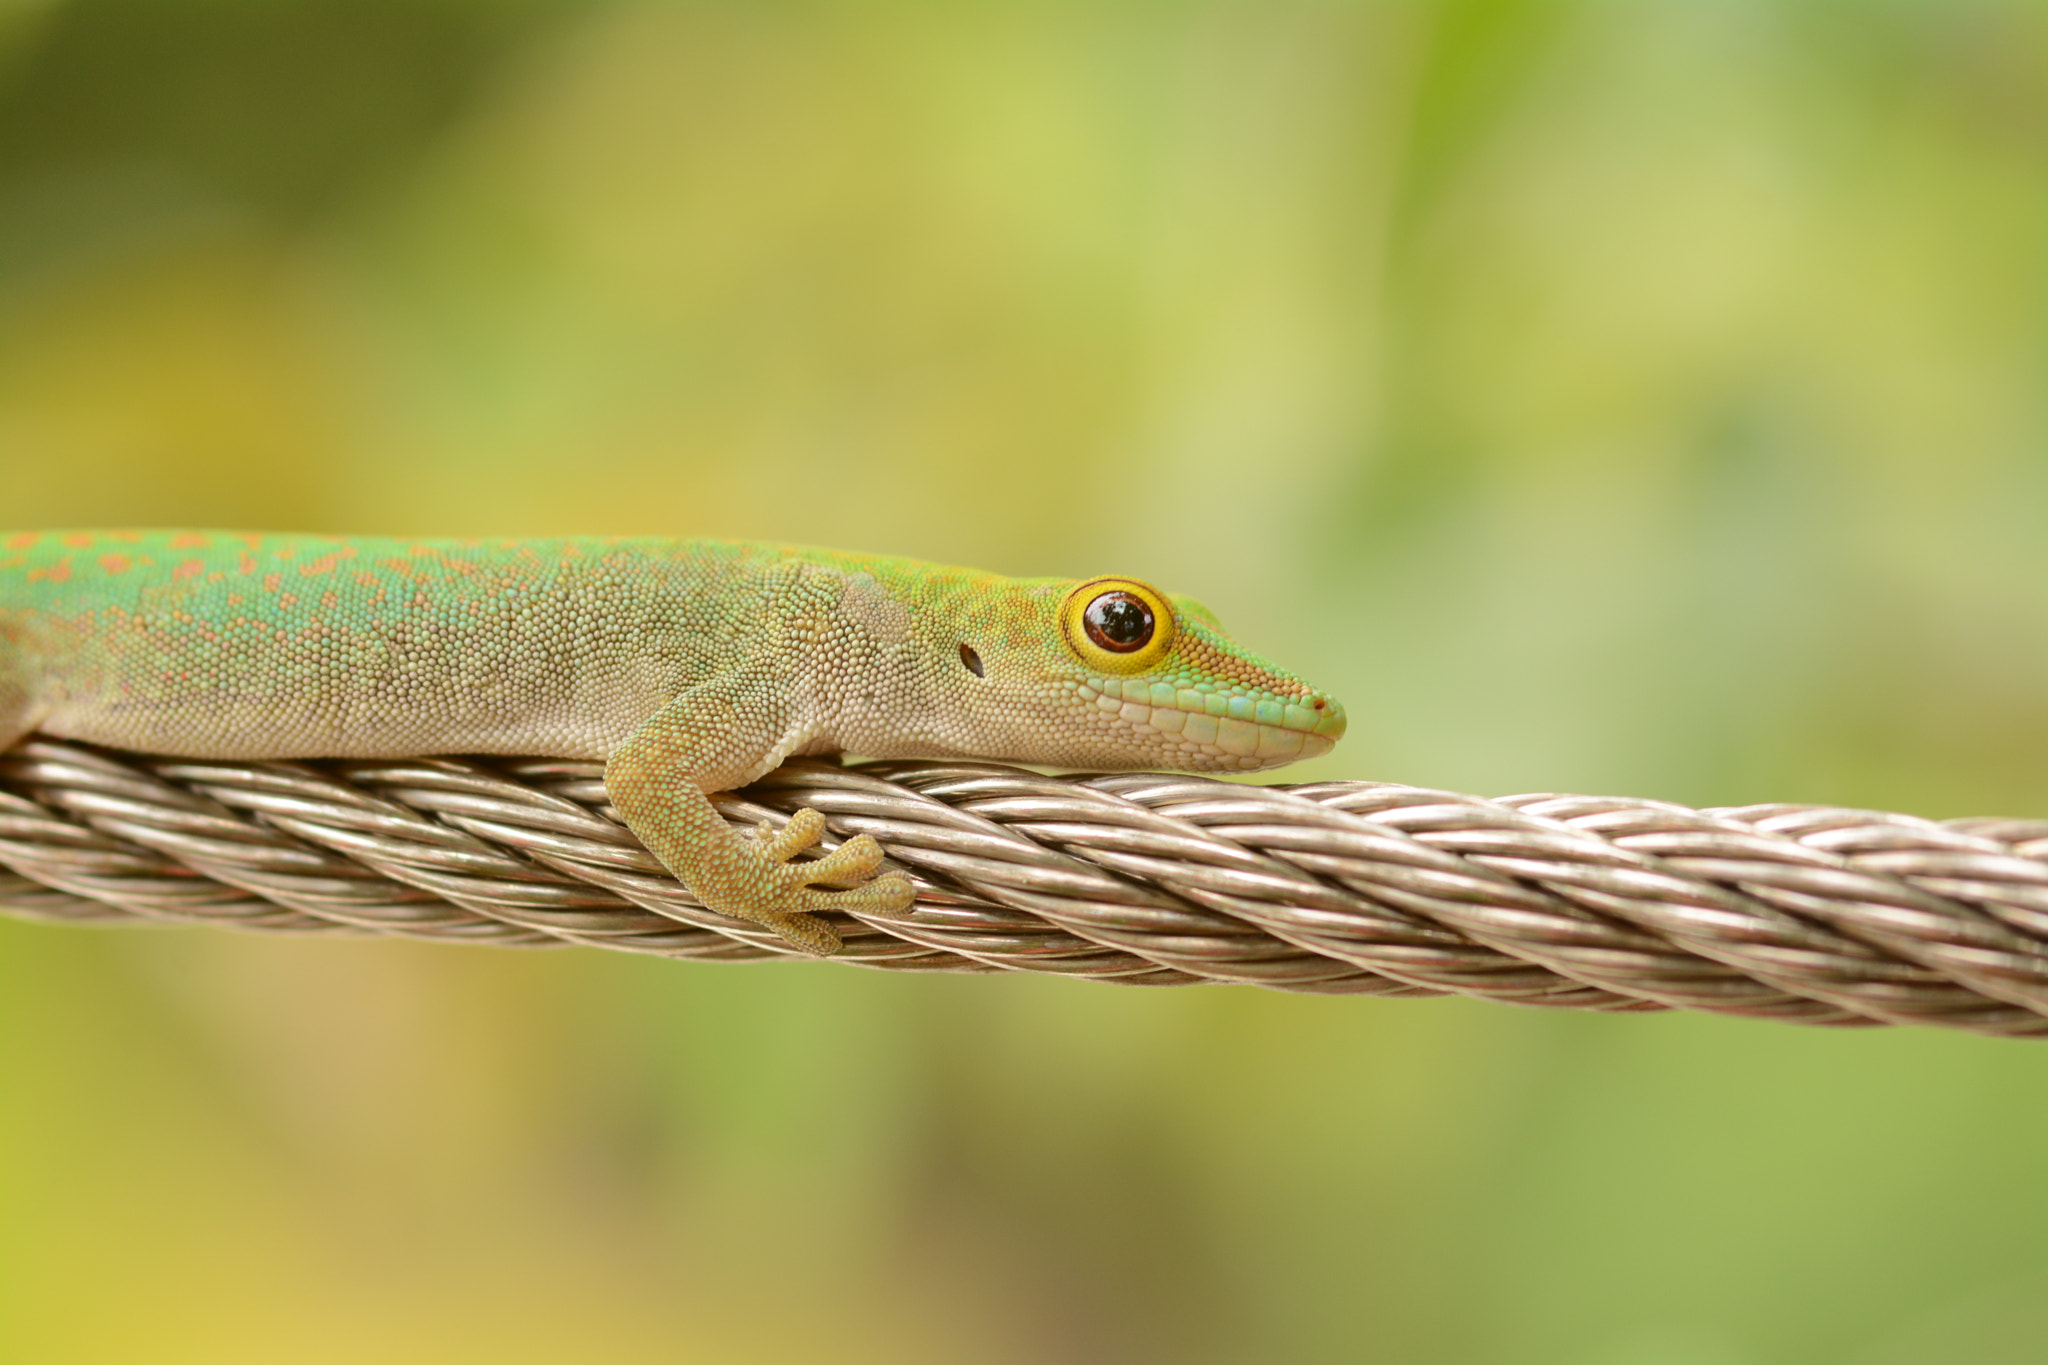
(689, 666)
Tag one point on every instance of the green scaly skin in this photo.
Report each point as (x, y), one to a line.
(688, 666)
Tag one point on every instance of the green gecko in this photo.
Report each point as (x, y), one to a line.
(688, 666)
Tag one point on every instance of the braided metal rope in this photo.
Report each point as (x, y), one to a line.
(1803, 913)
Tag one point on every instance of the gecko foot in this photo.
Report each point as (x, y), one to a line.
(794, 898)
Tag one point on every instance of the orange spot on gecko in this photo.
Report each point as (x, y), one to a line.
(189, 540)
(216, 576)
(22, 540)
(114, 563)
(59, 572)
(247, 564)
(189, 568)
(288, 600)
(365, 580)
(79, 540)
(329, 600)
(324, 564)
(271, 580)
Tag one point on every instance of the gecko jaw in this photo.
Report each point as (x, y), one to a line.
(1205, 729)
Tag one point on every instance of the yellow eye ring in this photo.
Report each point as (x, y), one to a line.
(1117, 625)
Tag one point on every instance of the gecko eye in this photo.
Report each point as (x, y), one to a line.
(971, 660)
(1118, 622)
(1117, 625)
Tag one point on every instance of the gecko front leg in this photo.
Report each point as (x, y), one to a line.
(719, 735)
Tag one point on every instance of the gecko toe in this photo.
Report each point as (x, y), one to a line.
(852, 863)
(889, 896)
(892, 895)
(803, 831)
(803, 931)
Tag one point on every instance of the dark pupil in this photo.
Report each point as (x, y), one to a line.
(1118, 622)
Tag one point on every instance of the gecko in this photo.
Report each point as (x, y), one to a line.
(688, 667)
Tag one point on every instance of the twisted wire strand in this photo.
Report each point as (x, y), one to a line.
(1810, 914)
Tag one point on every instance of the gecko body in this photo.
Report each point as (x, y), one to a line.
(687, 666)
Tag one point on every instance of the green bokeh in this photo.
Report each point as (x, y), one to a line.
(1642, 397)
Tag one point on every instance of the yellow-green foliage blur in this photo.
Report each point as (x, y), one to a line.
(1595, 395)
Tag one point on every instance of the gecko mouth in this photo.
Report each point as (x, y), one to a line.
(1239, 730)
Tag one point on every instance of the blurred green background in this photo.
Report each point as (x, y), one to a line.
(1627, 396)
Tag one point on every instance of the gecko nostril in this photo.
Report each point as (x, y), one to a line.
(972, 660)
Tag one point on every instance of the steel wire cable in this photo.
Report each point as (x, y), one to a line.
(1811, 914)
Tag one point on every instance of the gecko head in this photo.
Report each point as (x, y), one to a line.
(1113, 673)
